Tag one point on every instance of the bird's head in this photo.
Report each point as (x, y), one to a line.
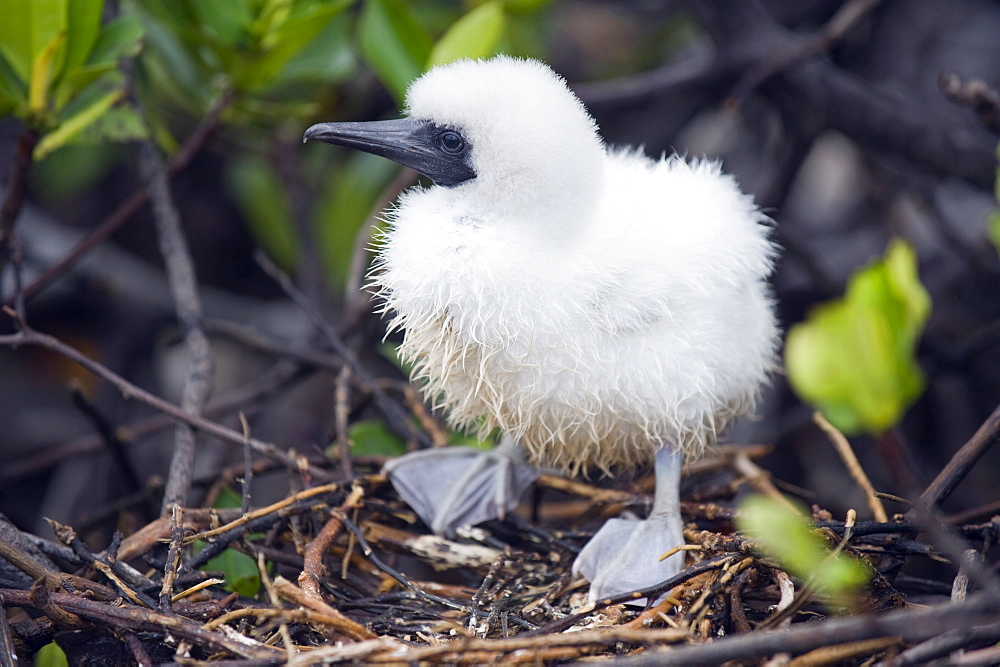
(505, 132)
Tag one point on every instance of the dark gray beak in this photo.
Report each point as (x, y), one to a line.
(440, 154)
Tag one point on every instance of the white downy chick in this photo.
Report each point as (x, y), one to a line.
(599, 307)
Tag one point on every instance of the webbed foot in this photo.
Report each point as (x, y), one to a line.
(624, 555)
(451, 487)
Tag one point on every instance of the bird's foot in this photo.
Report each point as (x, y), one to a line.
(456, 486)
(624, 556)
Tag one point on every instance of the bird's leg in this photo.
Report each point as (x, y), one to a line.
(624, 555)
(449, 487)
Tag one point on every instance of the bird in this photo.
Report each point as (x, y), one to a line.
(599, 308)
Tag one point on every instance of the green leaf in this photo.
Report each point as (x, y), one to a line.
(28, 26)
(393, 44)
(258, 192)
(373, 438)
(290, 37)
(68, 129)
(788, 538)
(51, 655)
(42, 74)
(13, 93)
(240, 571)
(269, 20)
(84, 24)
(121, 38)
(120, 124)
(854, 357)
(327, 60)
(474, 35)
(173, 67)
(227, 23)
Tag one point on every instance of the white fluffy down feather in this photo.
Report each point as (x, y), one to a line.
(595, 304)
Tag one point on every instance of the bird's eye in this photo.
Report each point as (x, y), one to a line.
(451, 142)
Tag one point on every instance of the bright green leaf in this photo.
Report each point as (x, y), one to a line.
(393, 44)
(84, 24)
(288, 39)
(474, 35)
(373, 438)
(271, 18)
(120, 124)
(854, 357)
(258, 192)
(68, 129)
(42, 73)
(787, 537)
(240, 571)
(26, 28)
(51, 655)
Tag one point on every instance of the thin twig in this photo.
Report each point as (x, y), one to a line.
(17, 190)
(27, 336)
(198, 139)
(184, 290)
(963, 461)
(843, 447)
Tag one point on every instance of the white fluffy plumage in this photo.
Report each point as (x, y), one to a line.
(595, 304)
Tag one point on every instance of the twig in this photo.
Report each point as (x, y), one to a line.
(17, 189)
(843, 447)
(146, 620)
(910, 625)
(650, 593)
(847, 16)
(842, 653)
(68, 536)
(977, 94)
(142, 658)
(272, 595)
(198, 139)
(313, 568)
(28, 336)
(392, 411)
(247, 465)
(963, 461)
(342, 411)
(760, 480)
(328, 615)
(268, 384)
(8, 656)
(184, 290)
(173, 557)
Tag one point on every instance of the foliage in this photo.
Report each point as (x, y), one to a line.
(51, 655)
(788, 538)
(240, 570)
(59, 70)
(854, 357)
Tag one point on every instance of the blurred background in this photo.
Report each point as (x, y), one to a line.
(858, 126)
